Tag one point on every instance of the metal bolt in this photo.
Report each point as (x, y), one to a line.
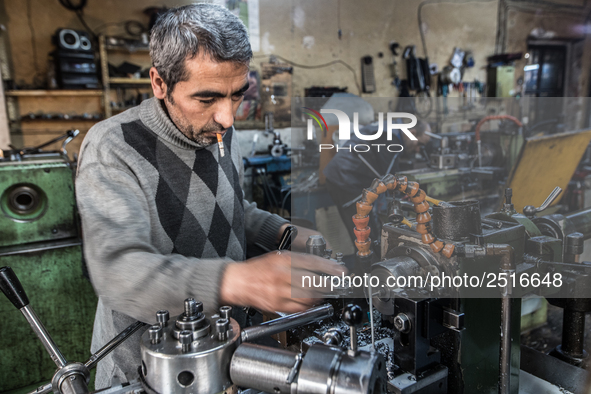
(185, 338)
(162, 317)
(190, 307)
(221, 328)
(339, 256)
(328, 253)
(155, 333)
(226, 312)
(508, 195)
(402, 323)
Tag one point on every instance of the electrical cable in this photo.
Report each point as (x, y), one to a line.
(285, 200)
(77, 9)
(338, 61)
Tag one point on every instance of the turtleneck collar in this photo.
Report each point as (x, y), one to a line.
(156, 119)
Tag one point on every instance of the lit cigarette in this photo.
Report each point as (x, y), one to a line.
(221, 144)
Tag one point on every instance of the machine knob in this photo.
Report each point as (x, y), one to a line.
(221, 328)
(185, 339)
(508, 195)
(162, 317)
(352, 315)
(226, 312)
(316, 245)
(155, 333)
(333, 337)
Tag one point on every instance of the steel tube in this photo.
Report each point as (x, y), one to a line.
(123, 335)
(39, 329)
(581, 222)
(276, 326)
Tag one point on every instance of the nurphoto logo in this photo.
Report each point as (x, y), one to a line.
(394, 121)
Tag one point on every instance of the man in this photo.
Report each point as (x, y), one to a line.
(162, 211)
(348, 173)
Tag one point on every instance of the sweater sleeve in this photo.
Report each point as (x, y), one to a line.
(126, 270)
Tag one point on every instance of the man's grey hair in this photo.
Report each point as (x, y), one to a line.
(185, 32)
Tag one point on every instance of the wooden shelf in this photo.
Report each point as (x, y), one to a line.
(129, 49)
(130, 81)
(54, 93)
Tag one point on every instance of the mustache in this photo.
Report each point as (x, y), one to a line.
(212, 127)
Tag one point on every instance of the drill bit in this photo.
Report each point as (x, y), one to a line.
(221, 145)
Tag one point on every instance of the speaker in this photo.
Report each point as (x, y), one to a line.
(73, 40)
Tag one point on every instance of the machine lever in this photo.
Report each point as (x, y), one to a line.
(12, 288)
(290, 233)
(530, 211)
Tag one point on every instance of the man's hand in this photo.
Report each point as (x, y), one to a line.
(265, 282)
(299, 245)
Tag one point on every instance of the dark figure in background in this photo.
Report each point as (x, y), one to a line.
(347, 175)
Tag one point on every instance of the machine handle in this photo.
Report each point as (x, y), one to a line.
(12, 288)
(530, 211)
(290, 233)
(557, 190)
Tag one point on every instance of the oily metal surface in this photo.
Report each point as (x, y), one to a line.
(457, 221)
(53, 214)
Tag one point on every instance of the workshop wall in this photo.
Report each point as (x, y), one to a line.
(307, 32)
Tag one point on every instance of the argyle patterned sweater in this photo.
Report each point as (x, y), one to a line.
(161, 219)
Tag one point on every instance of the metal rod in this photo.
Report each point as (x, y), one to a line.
(123, 335)
(281, 324)
(353, 333)
(505, 356)
(573, 333)
(369, 166)
(39, 329)
(581, 222)
(373, 340)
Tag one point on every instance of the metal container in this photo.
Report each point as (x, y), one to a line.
(457, 220)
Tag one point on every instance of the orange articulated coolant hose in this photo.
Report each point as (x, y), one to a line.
(421, 206)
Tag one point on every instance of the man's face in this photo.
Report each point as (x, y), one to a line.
(206, 103)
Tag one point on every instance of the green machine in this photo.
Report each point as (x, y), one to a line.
(40, 240)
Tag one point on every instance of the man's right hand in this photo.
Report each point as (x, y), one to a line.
(265, 282)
